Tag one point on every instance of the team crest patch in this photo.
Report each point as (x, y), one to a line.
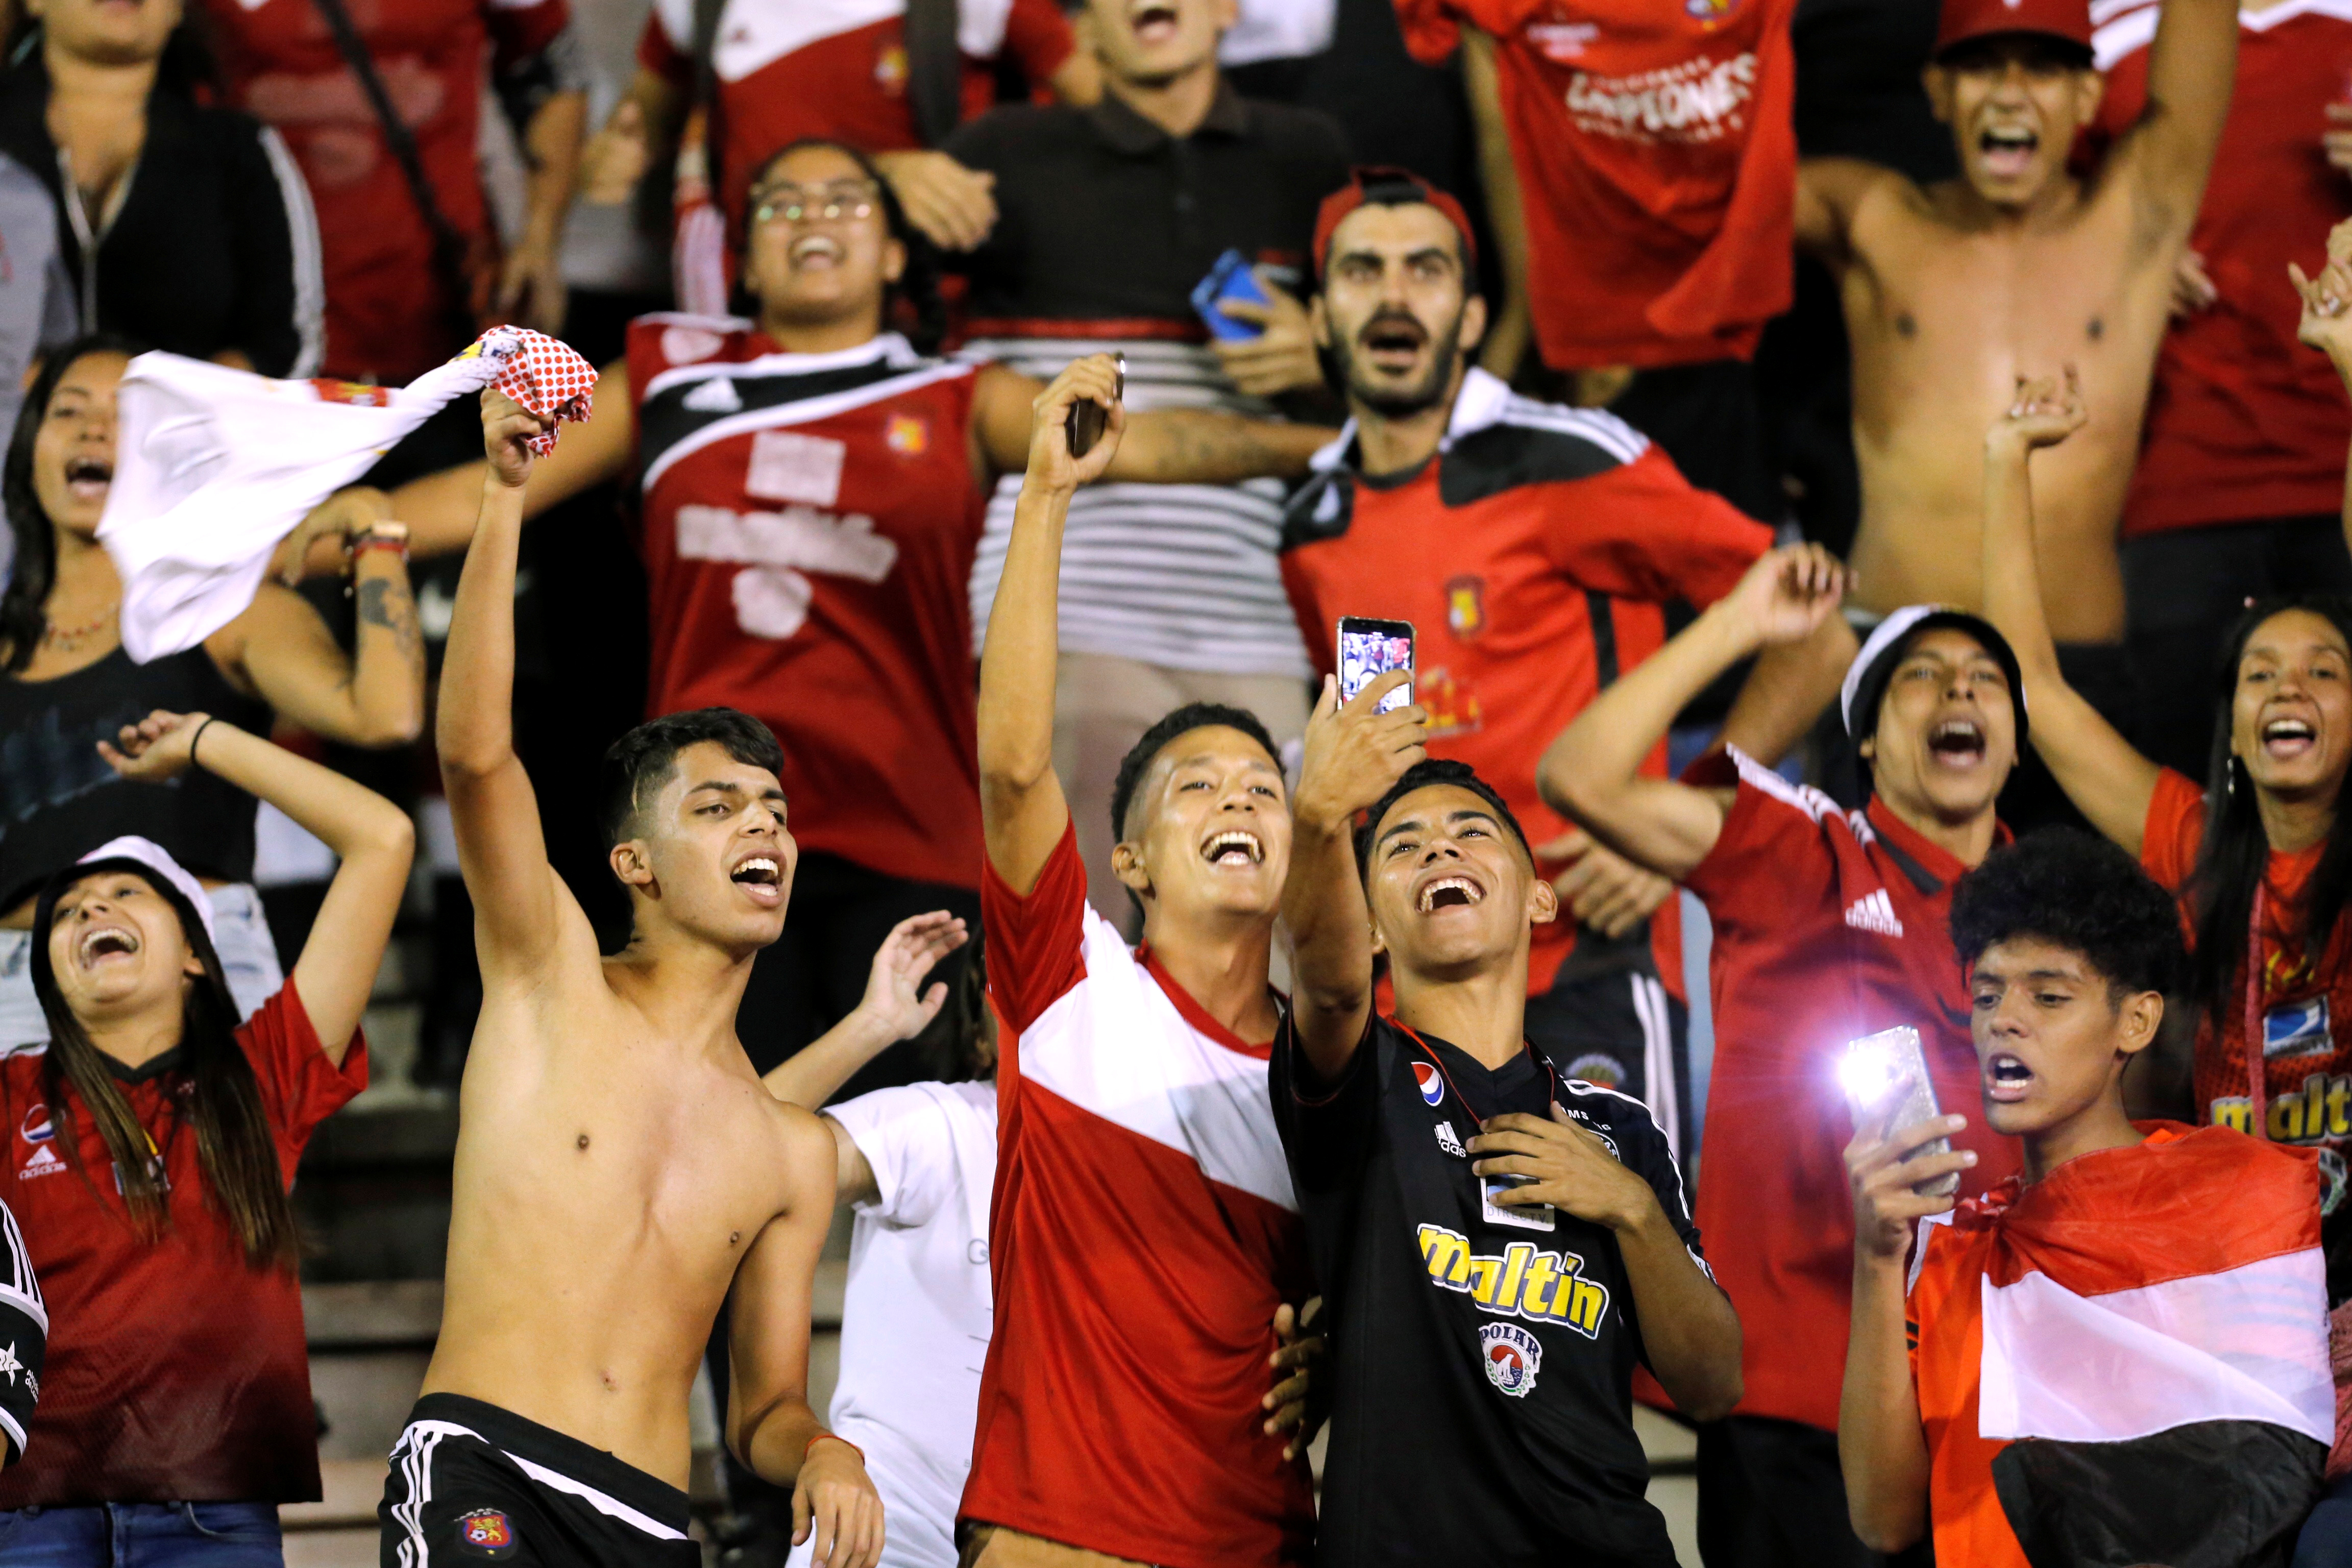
(1465, 607)
(1598, 1067)
(1513, 1357)
(1711, 10)
(1433, 1085)
(907, 435)
(486, 1533)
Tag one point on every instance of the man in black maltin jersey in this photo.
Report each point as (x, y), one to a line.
(1497, 1243)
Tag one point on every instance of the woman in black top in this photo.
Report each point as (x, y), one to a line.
(66, 681)
(184, 226)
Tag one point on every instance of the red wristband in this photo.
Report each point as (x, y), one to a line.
(829, 1437)
(380, 541)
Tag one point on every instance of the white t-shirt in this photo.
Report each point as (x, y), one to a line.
(916, 1314)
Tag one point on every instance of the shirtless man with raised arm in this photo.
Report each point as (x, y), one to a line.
(1953, 290)
(619, 1169)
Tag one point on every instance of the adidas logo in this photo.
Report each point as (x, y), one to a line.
(44, 1162)
(716, 395)
(1875, 911)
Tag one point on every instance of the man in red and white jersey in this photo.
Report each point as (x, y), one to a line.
(1144, 1229)
(1828, 926)
(1641, 162)
(2240, 468)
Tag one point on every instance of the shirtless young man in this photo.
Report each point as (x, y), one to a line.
(2018, 266)
(619, 1169)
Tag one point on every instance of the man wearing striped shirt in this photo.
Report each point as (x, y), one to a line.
(1108, 216)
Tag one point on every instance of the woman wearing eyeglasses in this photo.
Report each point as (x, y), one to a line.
(813, 484)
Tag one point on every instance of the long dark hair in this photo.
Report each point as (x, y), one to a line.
(34, 571)
(219, 1096)
(2236, 854)
(912, 305)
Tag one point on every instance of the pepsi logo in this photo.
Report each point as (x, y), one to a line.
(1433, 1084)
(36, 1128)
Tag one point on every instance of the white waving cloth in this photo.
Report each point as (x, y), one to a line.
(214, 467)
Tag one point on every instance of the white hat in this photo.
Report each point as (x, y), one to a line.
(146, 852)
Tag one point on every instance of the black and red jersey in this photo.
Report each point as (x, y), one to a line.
(810, 521)
(1535, 555)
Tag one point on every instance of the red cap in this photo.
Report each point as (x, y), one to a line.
(1386, 187)
(1965, 19)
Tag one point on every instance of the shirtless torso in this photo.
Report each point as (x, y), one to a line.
(1951, 292)
(621, 1171)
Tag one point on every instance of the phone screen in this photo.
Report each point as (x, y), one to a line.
(1370, 650)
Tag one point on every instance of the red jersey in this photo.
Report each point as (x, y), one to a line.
(1142, 1234)
(2243, 423)
(1534, 557)
(835, 68)
(1828, 926)
(1657, 148)
(384, 309)
(2306, 1066)
(176, 1373)
(810, 521)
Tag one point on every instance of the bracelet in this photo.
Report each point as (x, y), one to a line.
(829, 1437)
(199, 735)
(385, 535)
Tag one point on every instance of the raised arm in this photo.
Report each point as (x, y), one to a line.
(891, 1010)
(1022, 811)
(2327, 324)
(1592, 772)
(770, 1426)
(1830, 191)
(1513, 328)
(1353, 755)
(2108, 781)
(440, 509)
(2169, 150)
(371, 836)
(501, 847)
(1170, 447)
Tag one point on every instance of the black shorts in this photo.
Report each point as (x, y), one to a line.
(472, 1483)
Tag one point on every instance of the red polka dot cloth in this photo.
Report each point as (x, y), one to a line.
(542, 374)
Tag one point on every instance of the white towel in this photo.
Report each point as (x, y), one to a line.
(213, 466)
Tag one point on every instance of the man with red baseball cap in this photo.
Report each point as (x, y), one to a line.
(1533, 547)
(2018, 266)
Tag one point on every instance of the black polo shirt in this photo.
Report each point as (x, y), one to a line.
(1105, 217)
(1481, 1367)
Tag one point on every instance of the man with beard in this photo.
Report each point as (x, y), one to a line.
(1534, 548)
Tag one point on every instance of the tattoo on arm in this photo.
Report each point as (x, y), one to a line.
(387, 602)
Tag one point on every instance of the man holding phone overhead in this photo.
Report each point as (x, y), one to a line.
(1532, 548)
(1829, 927)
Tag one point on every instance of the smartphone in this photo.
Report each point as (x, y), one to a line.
(1230, 279)
(1370, 650)
(1874, 1064)
(1089, 418)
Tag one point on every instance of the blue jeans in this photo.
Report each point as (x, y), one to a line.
(143, 1535)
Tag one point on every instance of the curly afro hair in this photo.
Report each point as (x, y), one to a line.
(2066, 887)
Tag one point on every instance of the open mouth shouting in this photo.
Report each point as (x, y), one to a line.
(1154, 22)
(762, 876)
(100, 944)
(2007, 150)
(1451, 892)
(87, 479)
(814, 251)
(1393, 342)
(2007, 1079)
(1236, 847)
(2285, 739)
(1956, 742)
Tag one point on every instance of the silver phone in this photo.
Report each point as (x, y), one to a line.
(1874, 1064)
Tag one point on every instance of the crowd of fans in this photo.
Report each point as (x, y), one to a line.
(1835, 937)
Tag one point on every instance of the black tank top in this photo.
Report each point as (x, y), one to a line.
(58, 800)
